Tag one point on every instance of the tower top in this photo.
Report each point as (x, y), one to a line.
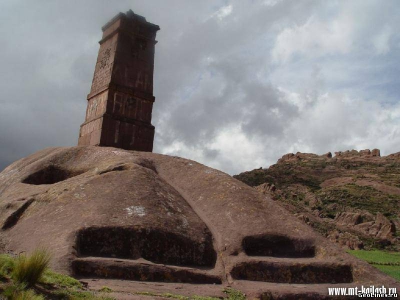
(129, 15)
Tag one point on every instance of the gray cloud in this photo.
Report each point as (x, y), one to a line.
(237, 83)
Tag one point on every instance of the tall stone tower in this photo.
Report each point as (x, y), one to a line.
(121, 99)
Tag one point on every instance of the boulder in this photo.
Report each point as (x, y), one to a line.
(346, 240)
(348, 218)
(266, 188)
(381, 227)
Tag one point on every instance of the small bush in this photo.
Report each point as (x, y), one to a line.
(30, 269)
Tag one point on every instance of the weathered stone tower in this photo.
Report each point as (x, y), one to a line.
(121, 99)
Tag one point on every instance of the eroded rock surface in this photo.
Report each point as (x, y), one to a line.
(124, 215)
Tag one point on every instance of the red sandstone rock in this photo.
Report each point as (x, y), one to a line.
(346, 239)
(266, 188)
(348, 218)
(365, 152)
(376, 152)
(380, 228)
(141, 216)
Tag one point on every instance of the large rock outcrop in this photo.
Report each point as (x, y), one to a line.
(125, 215)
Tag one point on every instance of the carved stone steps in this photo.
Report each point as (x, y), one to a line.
(278, 246)
(156, 245)
(301, 271)
(140, 271)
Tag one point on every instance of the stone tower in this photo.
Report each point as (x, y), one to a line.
(121, 99)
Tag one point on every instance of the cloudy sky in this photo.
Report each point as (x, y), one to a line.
(237, 83)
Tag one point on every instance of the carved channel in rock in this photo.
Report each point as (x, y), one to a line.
(115, 169)
(16, 215)
(278, 246)
(154, 245)
(50, 175)
(287, 272)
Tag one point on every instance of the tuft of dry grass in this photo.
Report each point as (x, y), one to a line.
(30, 269)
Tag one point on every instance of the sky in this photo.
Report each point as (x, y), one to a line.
(237, 83)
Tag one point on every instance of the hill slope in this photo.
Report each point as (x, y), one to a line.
(353, 198)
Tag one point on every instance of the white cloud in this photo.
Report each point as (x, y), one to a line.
(314, 38)
(224, 12)
(237, 83)
(382, 39)
(337, 122)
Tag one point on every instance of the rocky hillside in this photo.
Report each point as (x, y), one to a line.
(352, 198)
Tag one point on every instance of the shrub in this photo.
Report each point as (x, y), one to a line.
(30, 269)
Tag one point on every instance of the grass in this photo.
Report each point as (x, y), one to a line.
(234, 294)
(387, 262)
(60, 280)
(18, 291)
(393, 271)
(30, 269)
(6, 265)
(377, 257)
(105, 289)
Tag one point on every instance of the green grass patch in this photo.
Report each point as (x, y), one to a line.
(234, 294)
(387, 262)
(26, 295)
(377, 257)
(60, 280)
(393, 271)
(6, 265)
(105, 289)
